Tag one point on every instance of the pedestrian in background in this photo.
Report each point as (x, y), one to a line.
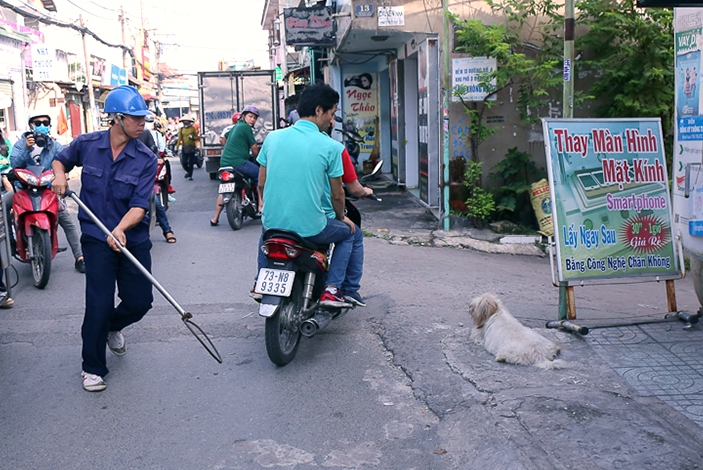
(189, 139)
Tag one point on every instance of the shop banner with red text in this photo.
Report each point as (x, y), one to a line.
(361, 108)
(610, 198)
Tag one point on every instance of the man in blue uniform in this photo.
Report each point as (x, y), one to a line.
(116, 184)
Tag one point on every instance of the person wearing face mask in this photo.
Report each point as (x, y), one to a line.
(36, 147)
(189, 138)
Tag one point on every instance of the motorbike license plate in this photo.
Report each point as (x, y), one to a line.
(275, 282)
(226, 188)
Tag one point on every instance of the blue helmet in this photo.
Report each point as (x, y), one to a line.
(126, 100)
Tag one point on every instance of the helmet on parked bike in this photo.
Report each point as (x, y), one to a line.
(250, 109)
(235, 117)
(126, 100)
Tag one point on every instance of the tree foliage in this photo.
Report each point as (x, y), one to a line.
(630, 50)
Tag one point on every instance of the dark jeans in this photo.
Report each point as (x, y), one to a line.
(189, 158)
(103, 268)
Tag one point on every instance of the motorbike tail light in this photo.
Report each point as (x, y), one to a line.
(46, 178)
(280, 250)
(27, 177)
(226, 176)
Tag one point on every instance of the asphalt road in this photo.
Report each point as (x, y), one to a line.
(393, 386)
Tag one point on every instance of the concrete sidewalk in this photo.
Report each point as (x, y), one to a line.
(659, 360)
(402, 220)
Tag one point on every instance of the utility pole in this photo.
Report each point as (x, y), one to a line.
(157, 75)
(90, 121)
(124, 53)
(568, 105)
(566, 292)
(447, 87)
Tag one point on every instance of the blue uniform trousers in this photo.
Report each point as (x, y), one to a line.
(103, 269)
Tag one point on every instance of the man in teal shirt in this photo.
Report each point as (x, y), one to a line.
(240, 141)
(299, 167)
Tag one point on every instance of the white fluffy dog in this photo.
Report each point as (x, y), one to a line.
(507, 339)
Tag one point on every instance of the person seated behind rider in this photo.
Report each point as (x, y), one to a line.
(26, 153)
(225, 131)
(352, 277)
(240, 142)
(299, 167)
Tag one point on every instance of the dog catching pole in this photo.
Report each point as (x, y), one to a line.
(186, 317)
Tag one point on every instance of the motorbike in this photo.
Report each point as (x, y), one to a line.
(238, 196)
(294, 275)
(35, 212)
(352, 139)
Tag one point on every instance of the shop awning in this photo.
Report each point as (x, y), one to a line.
(12, 34)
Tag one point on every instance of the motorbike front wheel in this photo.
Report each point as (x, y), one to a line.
(283, 328)
(41, 262)
(235, 216)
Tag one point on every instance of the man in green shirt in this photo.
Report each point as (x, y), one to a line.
(240, 142)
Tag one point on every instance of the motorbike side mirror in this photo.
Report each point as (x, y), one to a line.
(377, 168)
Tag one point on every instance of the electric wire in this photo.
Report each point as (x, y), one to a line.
(88, 12)
(81, 29)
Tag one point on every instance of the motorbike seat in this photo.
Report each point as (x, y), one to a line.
(275, 232)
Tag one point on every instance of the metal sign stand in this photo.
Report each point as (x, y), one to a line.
(567, 307)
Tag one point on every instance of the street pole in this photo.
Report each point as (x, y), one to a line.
(446, 54)
(568, 106)
(90, 124)
(566, 292)
(124, 53)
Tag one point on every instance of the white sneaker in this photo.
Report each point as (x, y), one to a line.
(115, 341)
(92, 382)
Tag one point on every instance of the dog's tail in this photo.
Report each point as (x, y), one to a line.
(555, 364)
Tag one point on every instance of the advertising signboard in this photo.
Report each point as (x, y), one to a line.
(466, 78)
(361, 108)
(309, 26)
(610, 198)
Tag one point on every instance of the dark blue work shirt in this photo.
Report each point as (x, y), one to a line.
(111, 188)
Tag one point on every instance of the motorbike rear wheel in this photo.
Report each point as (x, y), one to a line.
(235, 215)
(41, 263)
(283, 328)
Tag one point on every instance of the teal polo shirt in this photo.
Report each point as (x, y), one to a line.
(299, 163)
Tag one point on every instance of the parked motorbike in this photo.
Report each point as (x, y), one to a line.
(238, 196)
(352, 139)
(35, 212)
(294, 275)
